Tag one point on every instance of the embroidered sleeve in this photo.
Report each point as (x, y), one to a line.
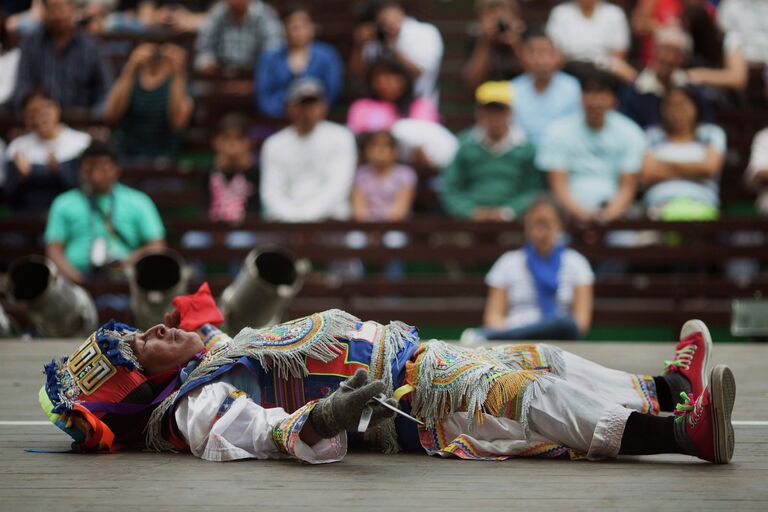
(286, 435)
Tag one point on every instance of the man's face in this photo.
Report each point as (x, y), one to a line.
(390, 19)
(42, 116)
(540, 57)
(494, 119)
(100, 173)
(596, 105)
(305, 114)
(669, 57)
(60, 15)
(238, 7)
(299, 29)
(163, 348)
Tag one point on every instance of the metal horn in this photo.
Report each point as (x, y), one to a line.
(263, 289)
(56, 306)
(154, 280)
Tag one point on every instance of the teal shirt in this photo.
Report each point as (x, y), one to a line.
(72, 223)
(594, 160)
(478, 177)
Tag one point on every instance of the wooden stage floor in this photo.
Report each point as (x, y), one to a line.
(372, 482)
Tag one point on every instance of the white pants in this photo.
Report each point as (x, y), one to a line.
(584, 409)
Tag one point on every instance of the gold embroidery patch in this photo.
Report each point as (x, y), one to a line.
(90, 368)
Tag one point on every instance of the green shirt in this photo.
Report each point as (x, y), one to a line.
(72, 222)
(480, 177)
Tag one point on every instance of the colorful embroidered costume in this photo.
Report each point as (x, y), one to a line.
(249, 397)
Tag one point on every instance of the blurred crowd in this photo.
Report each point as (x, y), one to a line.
(610, 109)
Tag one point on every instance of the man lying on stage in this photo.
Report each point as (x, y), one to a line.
(300, 389)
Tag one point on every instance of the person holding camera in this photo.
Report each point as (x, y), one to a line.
(389, 31)
(494, 43)
(150, 104)
(102, 225)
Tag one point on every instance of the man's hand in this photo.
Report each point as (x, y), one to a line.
(23, 165)
(140, 55)
(341, 411)
(172, 318)
(177, 57)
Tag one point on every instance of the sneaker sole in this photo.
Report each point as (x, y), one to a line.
(723, 394)
(690, 327)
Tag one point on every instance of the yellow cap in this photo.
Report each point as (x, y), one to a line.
(495, 92)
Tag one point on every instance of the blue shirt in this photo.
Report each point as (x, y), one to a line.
(594, 160)
(274, 77)
(535, 110)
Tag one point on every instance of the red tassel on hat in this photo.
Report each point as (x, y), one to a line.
(198, 309)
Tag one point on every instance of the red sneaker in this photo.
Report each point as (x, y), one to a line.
(691, 358)
(703, 426)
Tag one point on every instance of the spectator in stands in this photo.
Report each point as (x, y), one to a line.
(594, 31)
(307, 169)
(543, 93)
(9, 64)
(745, 23)
(384, 190)
(233, 184)
(682, 166)
(390, 98)
(593, 159)
(757, 171)
(150, 104)
(641, 100)
(542, 291)
(102, 225)
(235, 34)
(494, 43)
(417, 45)
(46, 161)
(300, 56)
(492, 176)
(65, 61)
(713, 65)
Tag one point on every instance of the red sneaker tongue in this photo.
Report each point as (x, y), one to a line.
(695, 337)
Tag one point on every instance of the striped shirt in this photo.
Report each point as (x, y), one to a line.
(233, 44)
(144, 131)
(75, 76)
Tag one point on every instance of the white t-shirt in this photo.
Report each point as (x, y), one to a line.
(510, 273)
(9, 67)
(705, 191)
(308, 178)
(745, 23)
(68, 146)
(422, 44)
(590, 39)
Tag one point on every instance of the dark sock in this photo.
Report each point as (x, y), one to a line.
(668, 389)
(663, 394)
(645, 434)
